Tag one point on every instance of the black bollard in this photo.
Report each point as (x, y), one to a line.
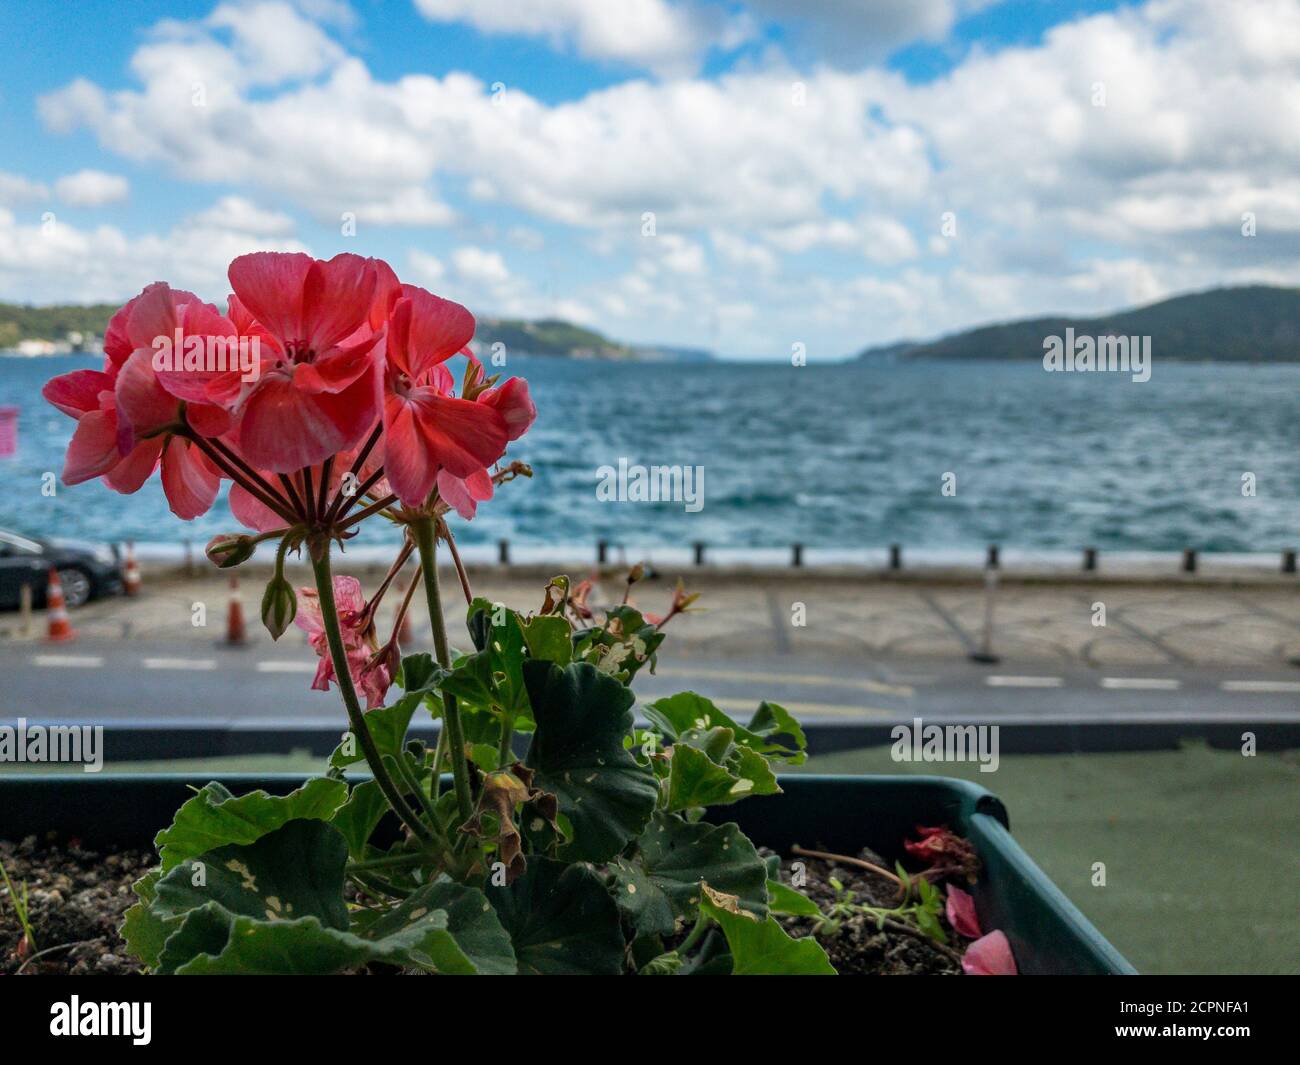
(993, 556)
(796, 555)
(1090, 559)
(1189, 560)
(895, 556)
(1288, 561)
(602, 552)
(699, 553)
(503, 552)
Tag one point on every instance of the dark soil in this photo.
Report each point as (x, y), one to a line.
(76, 898)
(859, 948)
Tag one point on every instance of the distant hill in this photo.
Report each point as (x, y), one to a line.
(18, 322)
(548, 336)
(1255, 323)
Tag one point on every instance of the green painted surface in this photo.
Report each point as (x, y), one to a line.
(1201, 847)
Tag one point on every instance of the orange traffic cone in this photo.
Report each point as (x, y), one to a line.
(131, 572)
(235, 633)
(60, 628)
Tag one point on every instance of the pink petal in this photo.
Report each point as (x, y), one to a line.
(336, 299)
(989, 956)
(339, 369)
(137, 467)
(284, 429)
(189, 479)
(143, 404)
(961, 913)
(465, 494)
(514, 404)
(251, 513)
(308, 618)
(93, 449)
(387, 292)
(77, 392)
(427, 330)
(269, 285)
(463, 436)
(409, 464)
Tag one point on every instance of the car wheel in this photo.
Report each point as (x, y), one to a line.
(76, 586)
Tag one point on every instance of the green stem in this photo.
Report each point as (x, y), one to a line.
(438, 753)
(412, 781)
(425, 542)
(695, 935)
(506, 752)
(343, 674)
(396, 861)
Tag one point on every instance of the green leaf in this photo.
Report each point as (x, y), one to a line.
(717, 774)
(664, 965)
(213, 817)
(387, 724)
(762, 948)
(276, 906)
(357, 817)
(561, 920)
(685, 714)
(659, 888)
(771, 720)
(471, 920)
(582, 719)
(143, 930)
(306, 947)
(294, 872)
(784, 899)
(550, 637)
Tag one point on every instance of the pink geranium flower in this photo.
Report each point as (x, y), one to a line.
(512, 401)
(124, 417)
(989, 956)
(371, 679)
(319, 388)
(427, 429)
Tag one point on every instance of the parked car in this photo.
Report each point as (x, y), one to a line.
(86, 570)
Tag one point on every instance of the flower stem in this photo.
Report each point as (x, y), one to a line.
(343, 674)
(425, 542)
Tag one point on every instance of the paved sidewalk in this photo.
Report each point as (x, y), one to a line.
(814, 618)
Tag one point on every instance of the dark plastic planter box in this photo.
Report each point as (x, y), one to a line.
(1047, 933)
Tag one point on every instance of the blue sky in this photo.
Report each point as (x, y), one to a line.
(739, 176)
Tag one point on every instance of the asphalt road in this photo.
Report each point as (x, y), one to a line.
(154, 681)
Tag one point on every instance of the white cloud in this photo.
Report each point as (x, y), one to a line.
(63, 262)
(653, 34)
(16, 189)
(479, 266)
(91, 188)
(428, 269)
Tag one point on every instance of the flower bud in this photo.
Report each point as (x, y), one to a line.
(279, 606)
(230, 549)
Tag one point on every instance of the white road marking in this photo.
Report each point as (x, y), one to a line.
(202, 665)
(1260, 686)
(1142, 683)
(1024, 682)
(69, 661)
(286, 666)
(805, 679)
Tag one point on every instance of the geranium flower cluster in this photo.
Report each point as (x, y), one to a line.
(323, 387)
(347, 392)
